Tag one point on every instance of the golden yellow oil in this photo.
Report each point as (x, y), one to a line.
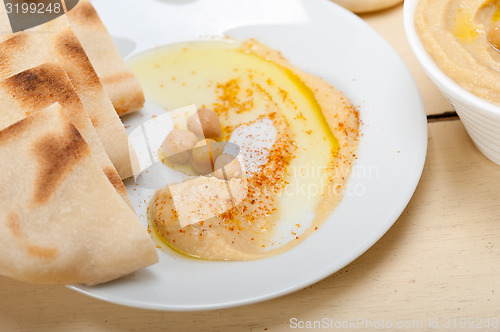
(242, 87)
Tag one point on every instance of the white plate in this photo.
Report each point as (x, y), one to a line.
(326, 40)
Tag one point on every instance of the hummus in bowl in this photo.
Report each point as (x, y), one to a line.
(297, 135)
(463, 38)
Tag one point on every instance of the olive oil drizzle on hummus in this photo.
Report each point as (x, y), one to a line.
(327, 121)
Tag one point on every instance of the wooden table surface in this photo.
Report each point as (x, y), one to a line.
(438, 265)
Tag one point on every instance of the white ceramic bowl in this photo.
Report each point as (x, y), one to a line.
(480, 118)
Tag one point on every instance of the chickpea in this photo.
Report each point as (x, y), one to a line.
(202, 168)
(494, 35)
(207, 151)
(177, 145)
(205, 123)
(217, 149)
(231, 166)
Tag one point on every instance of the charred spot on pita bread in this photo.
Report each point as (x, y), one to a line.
(15, 130)
(117, 78)
(4, 62)
(16, 42)
(115, 179)
(96, 122)
(32, 87)
(41, 252)
(56, 155)
(69, 47)
(122, 104)
(14, 225)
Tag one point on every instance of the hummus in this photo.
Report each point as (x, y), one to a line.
(455, 33)
(298, 137)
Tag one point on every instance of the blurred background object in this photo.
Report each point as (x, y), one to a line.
(365, 6)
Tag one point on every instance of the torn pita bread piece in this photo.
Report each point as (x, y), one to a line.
(120, 83)
(5, 27)
(42, 86)
(55, 41)
(61, 221)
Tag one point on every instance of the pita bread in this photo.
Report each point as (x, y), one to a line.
(42, 86)
(120, 83)
(55, 41)
(5, 27)
(61, 221)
